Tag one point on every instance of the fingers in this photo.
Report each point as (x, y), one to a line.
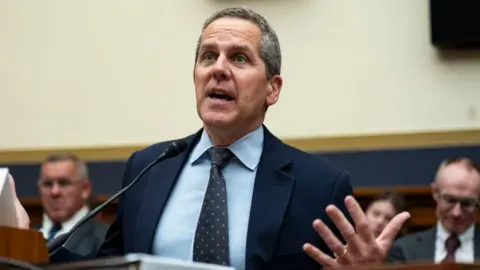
(360, 220)
(361, 243)
(393, 228)
(328, 237)
(355, 245)
(320, 257)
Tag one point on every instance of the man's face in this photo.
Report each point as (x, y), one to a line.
(456, 193)
(231, 86)
(62, 191)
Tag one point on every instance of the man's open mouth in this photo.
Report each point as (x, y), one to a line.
(220, 96)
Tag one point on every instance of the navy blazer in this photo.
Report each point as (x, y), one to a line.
(292, 188)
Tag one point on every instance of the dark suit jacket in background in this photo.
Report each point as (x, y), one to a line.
(88, 238)
(86, 241)
(292, 188)
(420, 247)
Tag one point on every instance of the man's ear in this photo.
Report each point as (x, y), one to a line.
(274, 87)
(434, 191)
(86, 189)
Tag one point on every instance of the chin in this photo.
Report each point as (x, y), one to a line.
(216, 118)
(456, 228)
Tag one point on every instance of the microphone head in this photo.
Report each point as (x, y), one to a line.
(176, 148)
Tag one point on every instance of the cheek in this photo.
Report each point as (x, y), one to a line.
(443, 211)
(370, 217)
(200, 79)
(252, 94)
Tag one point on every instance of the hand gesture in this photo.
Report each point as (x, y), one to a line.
(361, 247)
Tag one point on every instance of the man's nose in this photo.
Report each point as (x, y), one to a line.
(55, 190)
(457, 210)
(220, 70)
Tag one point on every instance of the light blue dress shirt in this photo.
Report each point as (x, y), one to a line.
(176, 228)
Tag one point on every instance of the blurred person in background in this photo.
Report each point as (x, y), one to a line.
(384, 208)
(65, 191)
(455, 237)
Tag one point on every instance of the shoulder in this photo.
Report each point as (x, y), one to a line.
(141, 158)
(315, 167)
(414, 238)
(149, 153)
(317, 179)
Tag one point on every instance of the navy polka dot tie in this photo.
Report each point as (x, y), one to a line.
(211, 236)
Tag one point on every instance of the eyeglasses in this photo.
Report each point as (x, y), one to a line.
(62, 183)
(467, 204)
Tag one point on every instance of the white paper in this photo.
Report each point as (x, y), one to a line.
(8, 215)
(151, 262)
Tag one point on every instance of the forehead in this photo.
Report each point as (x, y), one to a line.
(458, 179)
(58, 168)
(231, 32)
(382, 205)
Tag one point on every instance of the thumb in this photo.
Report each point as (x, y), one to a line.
(392, 229)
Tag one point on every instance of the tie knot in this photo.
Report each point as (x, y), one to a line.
(452, 243)
(220, 156)
(57, 227)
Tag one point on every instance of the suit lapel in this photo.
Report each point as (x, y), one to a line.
(161, 179)
(271, 196)
(426, 246)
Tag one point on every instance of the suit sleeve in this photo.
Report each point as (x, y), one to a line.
(341, 189)
(396, 254)
(113, 244)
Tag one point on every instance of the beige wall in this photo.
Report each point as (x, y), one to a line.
(87, 73)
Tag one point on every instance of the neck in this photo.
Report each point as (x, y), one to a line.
(222, 138)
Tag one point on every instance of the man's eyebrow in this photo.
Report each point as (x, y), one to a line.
(236, 47)
(241, 47)
(207, 46)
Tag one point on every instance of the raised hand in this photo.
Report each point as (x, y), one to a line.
(361, 247)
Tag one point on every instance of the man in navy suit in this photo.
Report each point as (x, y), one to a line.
(238, 195)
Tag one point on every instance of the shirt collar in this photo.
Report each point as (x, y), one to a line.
(466, 236)
(247, 149)
(67, 225)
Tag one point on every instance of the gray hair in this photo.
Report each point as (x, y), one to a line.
(269, 45)
(82, 168)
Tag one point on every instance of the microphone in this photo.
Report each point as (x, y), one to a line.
(172, 150)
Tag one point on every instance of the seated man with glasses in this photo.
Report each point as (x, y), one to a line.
(65, 189)
(455, 238)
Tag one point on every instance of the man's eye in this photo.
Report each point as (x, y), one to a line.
(240, 58)
(450, 199)
(209, 56)
(468, 202)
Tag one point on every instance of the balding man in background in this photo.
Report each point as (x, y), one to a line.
(65, 190)
(455, 238)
